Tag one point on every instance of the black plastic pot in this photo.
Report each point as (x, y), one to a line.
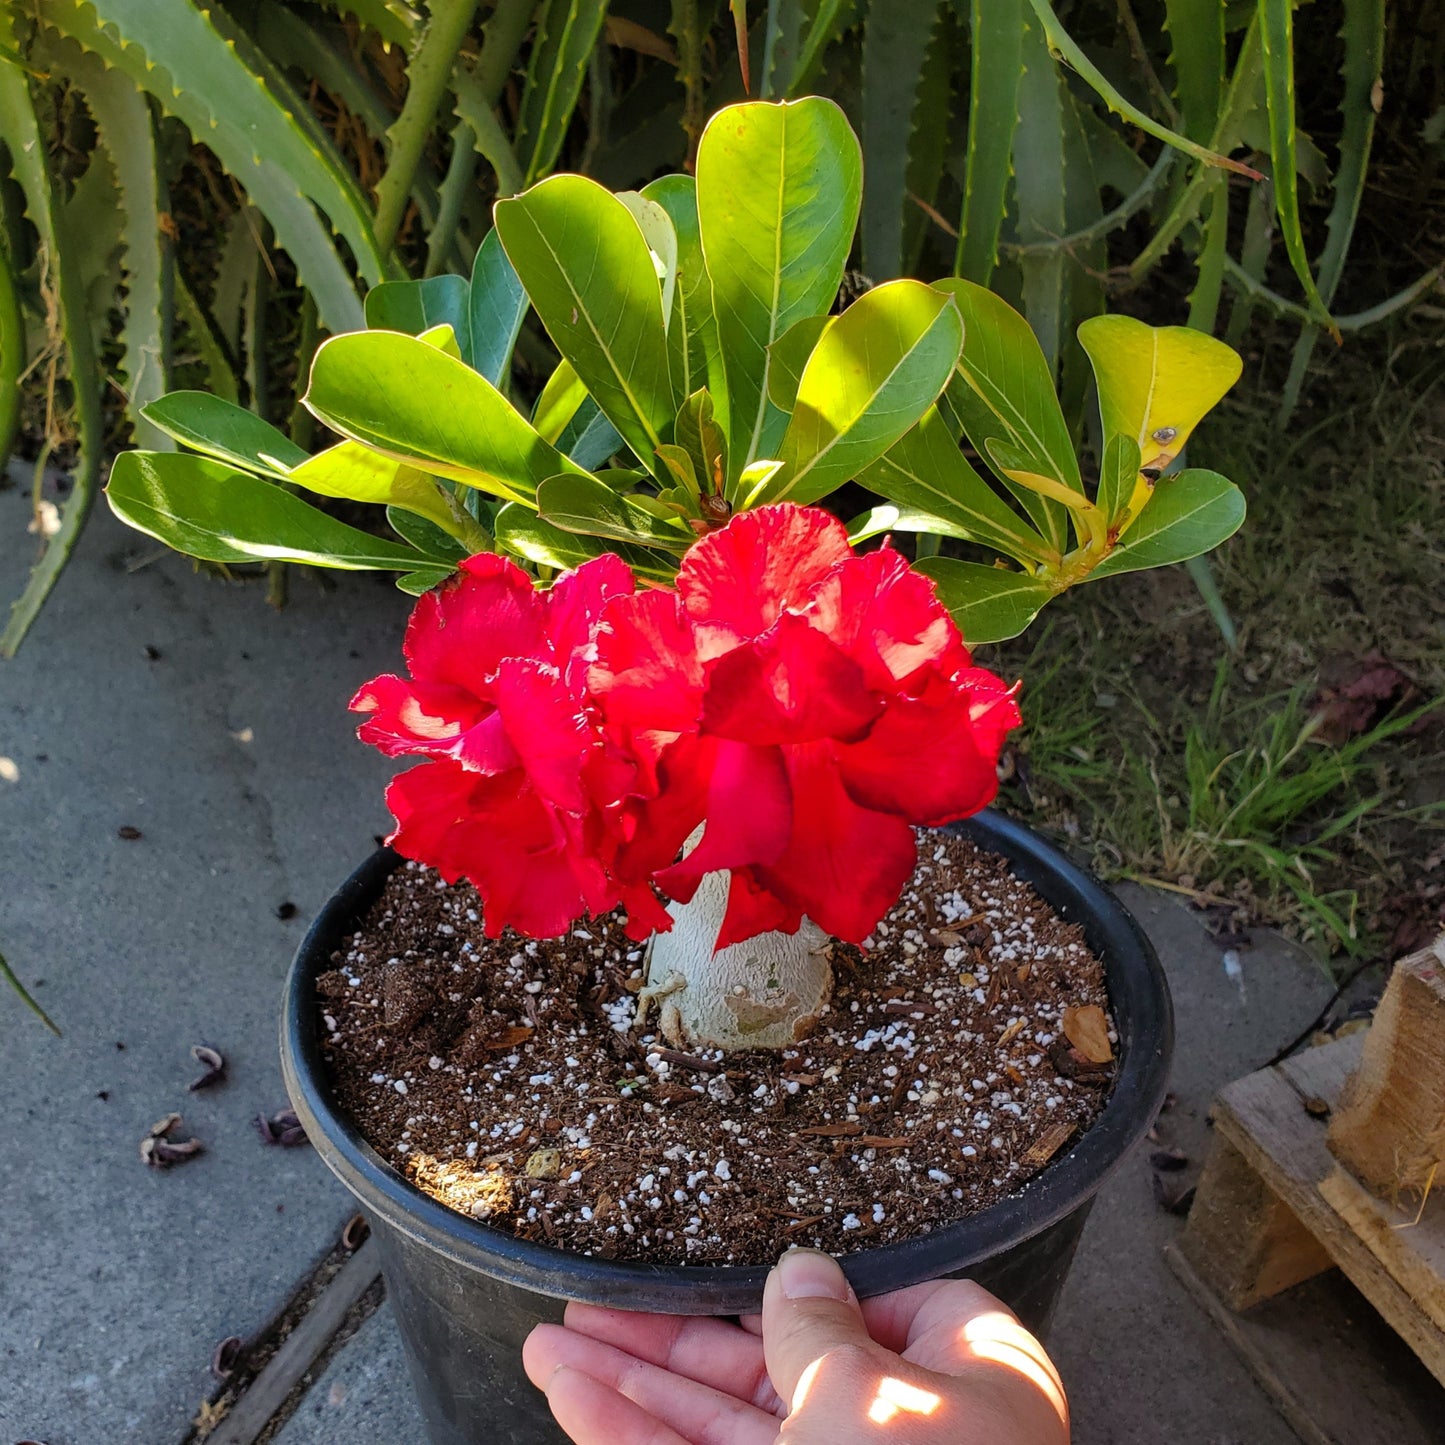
(465, 1295)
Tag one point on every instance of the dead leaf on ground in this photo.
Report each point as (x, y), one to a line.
(1357, 692)
(213, 1064)
(1172, 1195)
(1087, 1029)
(509, 1038)
(282, 1129)
(159, 1151)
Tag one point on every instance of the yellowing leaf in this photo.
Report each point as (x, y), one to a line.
(1156, 382)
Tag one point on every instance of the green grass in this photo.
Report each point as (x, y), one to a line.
(1171, 759)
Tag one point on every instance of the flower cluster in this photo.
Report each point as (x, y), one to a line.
(803, 705)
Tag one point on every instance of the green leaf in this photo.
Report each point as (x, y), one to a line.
(589, 439)
(586, 266)
(1276, 34)
(1118, 477)
(567, 34)
(1156, 382)
(30, 168)
(416, 306)
(1040, 193)
(1196, 28)
(498, 306)
(701, 435)
(1004, 392)
(657, 230)
(787, 357)
(25, 996)
(562, 394)
(897, 40)
(778, 190)
(926, 471)
(995, 64)
(213, 78)
(415, 403)
(223, 430)
(989, 604)
(207, 510)
(395, 22)
(873, 373)
(12, 357)
(1188, 514)
(523, 533)
(692, 340)
(358, 474)
(596, 506)
(425, 536)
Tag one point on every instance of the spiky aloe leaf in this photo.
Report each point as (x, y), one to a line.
(896, 44)
(395, 22)
(12, 357)
(1196, 28)
(122, 116)
(996, 29)
(567, 34)
(174, 51)
(1276, 33)
(21, 130)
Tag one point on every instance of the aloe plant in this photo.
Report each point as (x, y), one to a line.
(701, 373)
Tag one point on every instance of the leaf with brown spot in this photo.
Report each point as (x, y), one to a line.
(1087, 1028)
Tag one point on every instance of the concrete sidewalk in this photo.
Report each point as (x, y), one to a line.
(154, 699)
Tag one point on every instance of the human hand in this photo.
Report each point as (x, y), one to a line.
(938, 1364)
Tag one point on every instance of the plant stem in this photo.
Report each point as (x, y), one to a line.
(765, 993)
(427, 77)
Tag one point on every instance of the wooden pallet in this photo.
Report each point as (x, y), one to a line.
(1274, 1207)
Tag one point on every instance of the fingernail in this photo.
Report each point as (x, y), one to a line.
(810, 1274)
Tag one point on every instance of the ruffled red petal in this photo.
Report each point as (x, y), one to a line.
(415, 717)
(574, 608)
(753, 909)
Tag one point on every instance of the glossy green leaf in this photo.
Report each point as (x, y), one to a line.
(925, 470)
(873, 373)
(778, 190)
(524, 534)
(208, 510)
(415, 403)
(417, 306)
(886, 518)
(425, 536)
(787, 357)
(1156, 382)
(590, 276)
(567, 33)
(598, 507)
(692, 339)
(498, 306)
(223, 430)
(699, 432)
(657, 230)
(989, 604)
(1118, 476)
(1188, 515)
(562, 394)
(357, 473)
(1004, 391)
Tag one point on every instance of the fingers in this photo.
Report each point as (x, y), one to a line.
(809, 1310)
(591, 1414)
(710, 1351)
(698, 1413)
(898, 1320)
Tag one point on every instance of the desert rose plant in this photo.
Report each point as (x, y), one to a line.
(647, 670)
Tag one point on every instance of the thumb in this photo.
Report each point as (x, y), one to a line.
(809, 1309)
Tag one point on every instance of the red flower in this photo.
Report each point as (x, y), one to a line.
(810, 706)
(519, 779)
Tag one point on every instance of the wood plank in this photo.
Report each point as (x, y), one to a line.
(1389, 1129)
(1241, 1238)
(1329, 1364)
(250, 1415)
(1264, 1117)
(1412, 1252)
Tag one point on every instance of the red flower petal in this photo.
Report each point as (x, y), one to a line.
(497, 833)
(845, 865)
(546, 728)
(749, 816)
(460, 632)
(647, 674)
(791, 686)
(753, 909)
(415, 717)
(888, 619)
(736, 582)
(574, 608)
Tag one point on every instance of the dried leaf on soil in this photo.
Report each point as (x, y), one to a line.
(1087, 1029)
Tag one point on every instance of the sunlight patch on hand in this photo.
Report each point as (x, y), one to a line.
(999, 1339)
(898, 1396)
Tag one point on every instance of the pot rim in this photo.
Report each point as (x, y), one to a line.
(1143, 1013)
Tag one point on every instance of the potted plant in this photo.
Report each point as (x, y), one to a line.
(683, 737)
